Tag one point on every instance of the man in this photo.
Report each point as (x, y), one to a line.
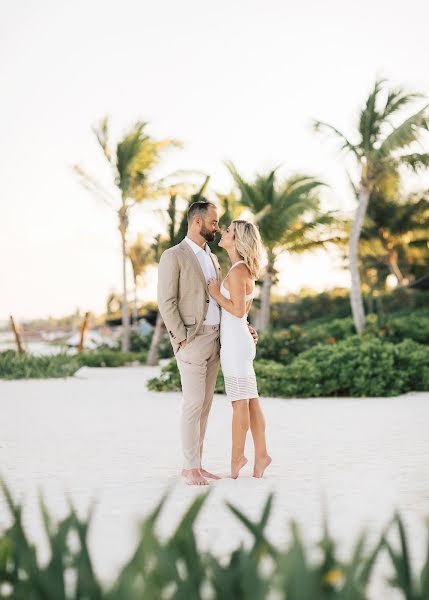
(192, 319)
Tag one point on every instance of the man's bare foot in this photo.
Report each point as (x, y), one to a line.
(205, 473)
(260, 465)
(236, 465)
(193, 477)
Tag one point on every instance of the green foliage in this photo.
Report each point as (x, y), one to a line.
(285, 344)
(382, 146)
(169, 380)
(297, 309)
(352, 367)
(174, 567)
(281, 346)
(358, 367)
(109, 358)
(395, 237)
(28, 366)
(335, 304)
(139, 343)
(414, 326)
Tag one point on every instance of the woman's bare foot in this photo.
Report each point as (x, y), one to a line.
(193, 477)
(260, 465)
(236, 465)
(205, 473)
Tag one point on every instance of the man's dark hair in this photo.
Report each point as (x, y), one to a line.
(199, 209)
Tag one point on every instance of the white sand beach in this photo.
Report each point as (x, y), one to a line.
(101, 435)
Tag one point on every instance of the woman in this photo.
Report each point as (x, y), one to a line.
(243, 243)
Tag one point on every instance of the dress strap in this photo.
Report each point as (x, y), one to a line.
(237, 263)
(234, 265)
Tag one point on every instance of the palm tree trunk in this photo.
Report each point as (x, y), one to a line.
(83, 332)
(152, 358)
(17, 334)
(135, 311)
(264, 314)
(125, 313)
(356, 299)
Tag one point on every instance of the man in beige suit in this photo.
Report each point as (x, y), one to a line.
(192, 318)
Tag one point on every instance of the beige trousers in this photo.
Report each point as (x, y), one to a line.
(198, 364)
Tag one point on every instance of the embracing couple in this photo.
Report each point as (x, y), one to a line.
(207, 322)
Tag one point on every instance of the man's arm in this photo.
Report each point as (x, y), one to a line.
(168, 286)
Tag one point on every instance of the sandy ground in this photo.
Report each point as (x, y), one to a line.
(101, 435)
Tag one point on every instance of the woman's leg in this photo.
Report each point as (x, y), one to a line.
(240, 427)
(257, 427)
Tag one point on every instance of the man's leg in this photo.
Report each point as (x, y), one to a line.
(192, 363)
(210, 384)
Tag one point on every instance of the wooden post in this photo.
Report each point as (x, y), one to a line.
(83, 330)
(17, 333)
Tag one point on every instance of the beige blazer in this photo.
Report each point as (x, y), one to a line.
(183, 298)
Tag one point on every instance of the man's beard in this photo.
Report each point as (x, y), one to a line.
(209, 236)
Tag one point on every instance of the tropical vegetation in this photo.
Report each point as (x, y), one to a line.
(29, 366)
(392, 358)
(289, 219)
(384, 142)
(131, 163)
(174, 566)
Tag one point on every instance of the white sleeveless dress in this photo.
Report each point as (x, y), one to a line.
(237, 352)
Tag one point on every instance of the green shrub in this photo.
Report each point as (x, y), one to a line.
(334, 304)
(169, 380)
(358, 367)
(353, 367)
(29, 366)
(281, 346)
(328, 332)
(109, 358)
(165, 349)
(139, 343)
(285, 344)
(414, 326)
(173, 566)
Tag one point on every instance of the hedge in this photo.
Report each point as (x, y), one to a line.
(352, 367)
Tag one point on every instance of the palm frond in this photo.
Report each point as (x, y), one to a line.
(415, 161)
(249, 196)
(94, 187)
(398, 99)
(405, 134)
(318, 126)
(101, 131)
(127, 151)
(370, 119)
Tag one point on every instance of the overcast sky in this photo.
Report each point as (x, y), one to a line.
(232, 79)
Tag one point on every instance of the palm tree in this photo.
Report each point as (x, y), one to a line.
(141, 255)
(289, 219)
(395, 235)
(381, 148)
(131, 164)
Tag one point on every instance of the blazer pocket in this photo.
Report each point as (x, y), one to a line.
(189, 320)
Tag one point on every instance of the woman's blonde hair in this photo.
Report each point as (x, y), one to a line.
(249, 245)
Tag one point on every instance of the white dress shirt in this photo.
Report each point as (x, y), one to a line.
(208, 268)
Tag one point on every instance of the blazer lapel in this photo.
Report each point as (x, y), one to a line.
(216, 265)
(194, 260)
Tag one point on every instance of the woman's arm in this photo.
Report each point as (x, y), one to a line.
(237, 290)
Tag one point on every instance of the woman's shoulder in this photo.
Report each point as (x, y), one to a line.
(241, 272)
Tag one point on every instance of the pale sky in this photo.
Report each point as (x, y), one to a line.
(232, 79)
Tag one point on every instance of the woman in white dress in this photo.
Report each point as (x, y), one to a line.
(243, 243)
